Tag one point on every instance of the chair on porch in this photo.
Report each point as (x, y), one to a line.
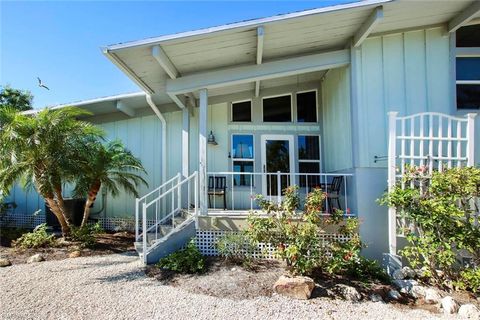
(217, 187)
(333, 193)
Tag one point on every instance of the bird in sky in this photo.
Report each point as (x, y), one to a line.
(41, 85)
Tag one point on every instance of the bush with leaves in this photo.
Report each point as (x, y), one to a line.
(297, 236)
(441, 213)
(86, 234)
(186, 260)
(38, 238)
(236, 248)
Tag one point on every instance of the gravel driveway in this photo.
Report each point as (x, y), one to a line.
(115, 287)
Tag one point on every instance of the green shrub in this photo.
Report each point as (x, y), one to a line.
(236, 248)
(439, 209)
(86, 235)
(187, 260)
(35, 239)
(469, 279)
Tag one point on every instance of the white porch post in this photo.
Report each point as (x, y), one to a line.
(392, 216)
(471, 139)
(185, 143)
(202, 151)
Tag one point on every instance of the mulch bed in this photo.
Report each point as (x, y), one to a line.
(106, 243)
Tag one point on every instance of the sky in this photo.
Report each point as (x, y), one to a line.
(60, 41)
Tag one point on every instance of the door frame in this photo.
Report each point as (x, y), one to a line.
(278, 137)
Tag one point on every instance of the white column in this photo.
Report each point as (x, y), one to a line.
(471, 139)
(185, 143)
(392, 146)
(202, 151)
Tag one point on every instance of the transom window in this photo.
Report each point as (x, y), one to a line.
(307, 106)
(242, 111)
(277, 109)
(242, 159)
(309, 160)
(468, 67)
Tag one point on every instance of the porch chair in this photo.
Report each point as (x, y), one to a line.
(217, 187)
(333, 193)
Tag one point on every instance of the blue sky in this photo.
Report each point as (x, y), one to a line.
(60, 41)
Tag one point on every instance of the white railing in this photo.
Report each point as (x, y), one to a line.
(181, 197)
(242, 197)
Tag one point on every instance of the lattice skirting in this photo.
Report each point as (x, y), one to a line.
(206, 240)
(22, 220)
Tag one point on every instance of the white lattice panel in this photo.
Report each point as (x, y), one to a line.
(22, 220)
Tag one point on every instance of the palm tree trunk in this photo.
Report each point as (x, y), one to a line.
(57, 212)
(91, 197)
(61, 205)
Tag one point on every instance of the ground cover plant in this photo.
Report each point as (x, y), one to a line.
(442, 216)
(186, 260)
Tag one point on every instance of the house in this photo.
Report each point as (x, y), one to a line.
(248, 108)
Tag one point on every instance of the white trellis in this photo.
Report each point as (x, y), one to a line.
(429, 139)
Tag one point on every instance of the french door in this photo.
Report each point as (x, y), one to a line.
(277, 164)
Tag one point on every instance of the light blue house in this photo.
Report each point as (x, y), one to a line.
(301, 98)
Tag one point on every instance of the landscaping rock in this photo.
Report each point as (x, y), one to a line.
(376, 298)
(75, 254)
(347, 292)
(408, 272)
(432, 296)
(294, 287)
(417, 291)
(468, 311)
(4, 262)
(398, 274)
(394, 295)
(405, 286)
(449, 305)
(36, 258)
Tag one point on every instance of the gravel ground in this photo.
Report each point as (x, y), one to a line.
(115, 287)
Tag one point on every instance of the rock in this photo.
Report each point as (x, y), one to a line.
(233, 269)
(432, 296)
(405, 286)
(398, 274)
(394, 294)
(408, 272)
(4, 262)
(36, 258)
(421, 273)
(294, 287)
(375, 297)
(347, 292)
(75, 254)
(468, 311)
(449, 305)
(417, 291)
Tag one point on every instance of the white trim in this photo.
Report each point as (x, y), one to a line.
(292, 146)
(368, 26)
(122, 107)
(277, 96)
(316, 104)
(164, 61)
(319, 161)
(252, 160)
(467, 52)
(251, 111)
(202, 151)
(463, 17)
(243, 24)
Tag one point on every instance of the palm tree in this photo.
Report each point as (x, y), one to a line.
(111, 166)
(41, 150)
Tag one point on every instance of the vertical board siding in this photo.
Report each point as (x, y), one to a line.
(406, 72)
(336, 120)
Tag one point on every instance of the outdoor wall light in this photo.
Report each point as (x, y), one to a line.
(211, 139)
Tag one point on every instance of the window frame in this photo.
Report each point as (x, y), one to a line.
(233, 159)
(319, 161)
(292, 119)
(316, 105)
(464, 52)
(240, 101)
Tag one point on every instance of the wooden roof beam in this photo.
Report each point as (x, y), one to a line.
(368, 26)
(463, 17)
(164, 61)
(260, 35)
(121, 106)
(268, 70)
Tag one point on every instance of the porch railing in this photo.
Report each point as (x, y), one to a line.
(242, 188)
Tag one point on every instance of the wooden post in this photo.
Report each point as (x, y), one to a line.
(471, 139)
(202, 151)
(185, 143)
(392, 144)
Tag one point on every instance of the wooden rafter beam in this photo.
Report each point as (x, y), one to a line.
(368, 26)
(268, 70)
(121, 106)
(164, 61)
(260, 36)
(463, 17)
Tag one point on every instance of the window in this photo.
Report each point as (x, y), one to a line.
(242, 158)
(242, 111)
(309, 160)
(277, 109)
(468, 67)
(307, 106)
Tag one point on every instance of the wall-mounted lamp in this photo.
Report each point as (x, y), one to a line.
(211, 139)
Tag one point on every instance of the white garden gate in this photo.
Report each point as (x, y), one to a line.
(430, 140)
